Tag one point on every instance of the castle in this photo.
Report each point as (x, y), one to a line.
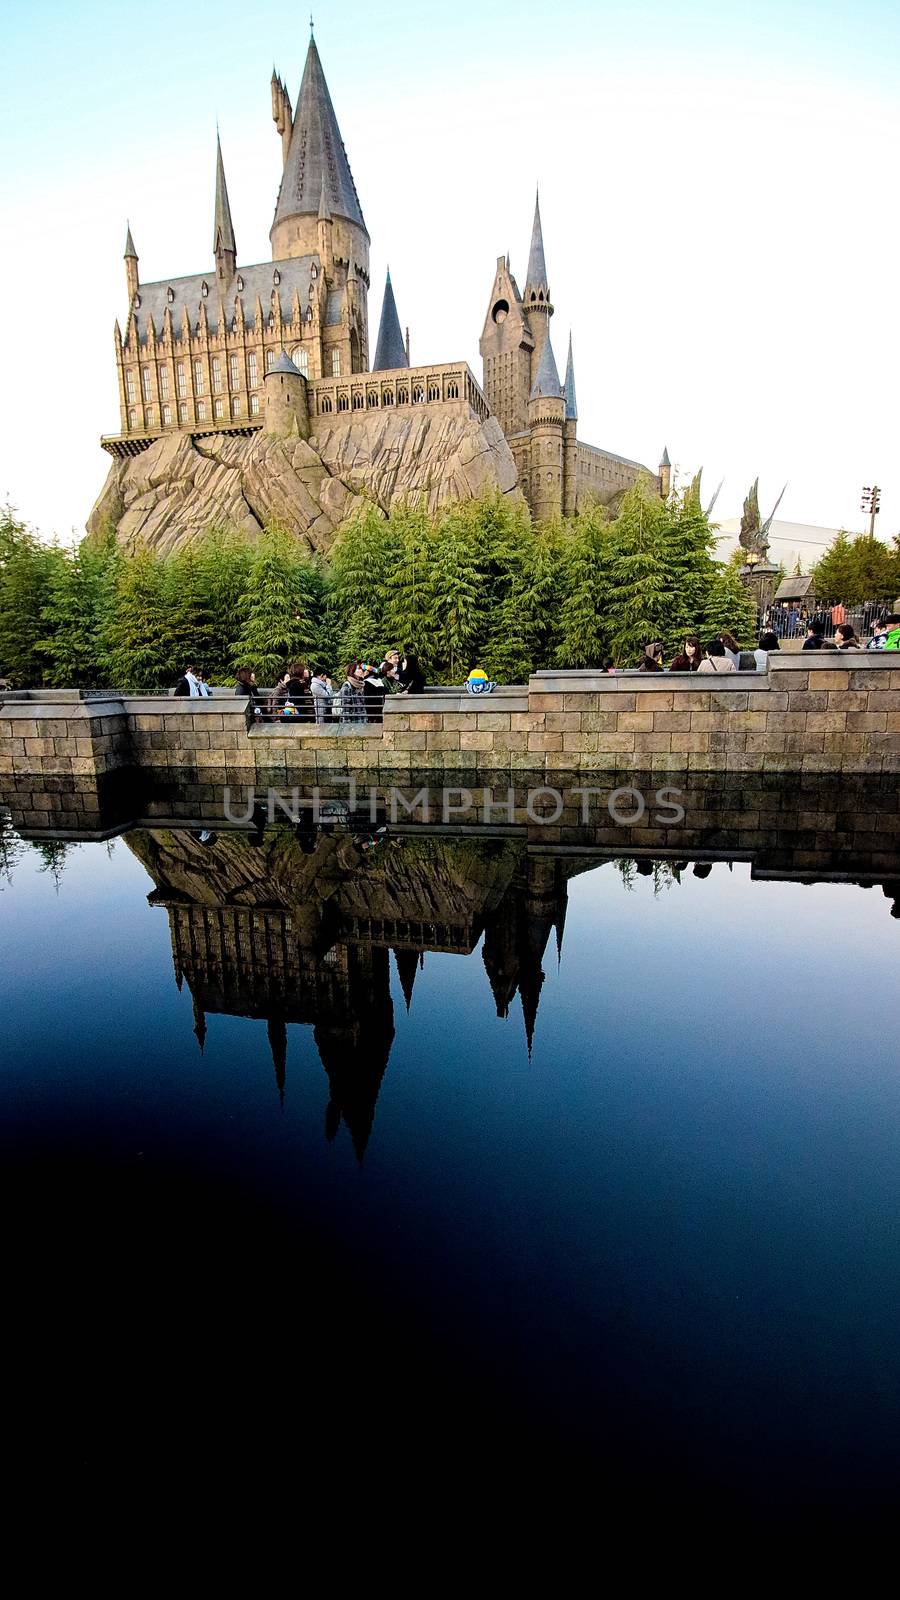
(282, 348)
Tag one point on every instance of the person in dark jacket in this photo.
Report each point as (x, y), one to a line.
(652, 659)
(690, 657)
(374, 693)
(246, 684)
(412, 678)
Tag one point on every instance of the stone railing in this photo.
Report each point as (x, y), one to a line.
(403, 386)
(809, 712)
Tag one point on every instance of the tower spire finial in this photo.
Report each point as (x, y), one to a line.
(224, 246)
(537, 267)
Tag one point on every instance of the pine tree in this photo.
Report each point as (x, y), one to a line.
(586, 555)
(28, 570)
(278, 624)
(140, 640)
(643, 570)
(76, 615)
(455, 596)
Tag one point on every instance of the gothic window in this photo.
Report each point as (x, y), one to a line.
(218, 408)
(204, 290)
(180, 380)
(276, 277)
(164, 383)
(182, 412)
(314, 271)
(132, 418)
(300, 358)
(418, 395)
(326, 402)
(151, 416)
(403, 397)
(170, 294)
(335, 363)
(371, 398)
(271, 319)
(343, 402)
(387, 399)
(236, 405)
(216, 375)
(252, 369)
(452, 391)
(234, 373)
(130, 389)
(434, 392)
(358, 402)
(201, 410)
(254, 405)
(270, 360)
(146, 391)
(167, 416)
(240, 284)
(198, 377)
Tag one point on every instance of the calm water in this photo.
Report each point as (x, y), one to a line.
(410, 1144)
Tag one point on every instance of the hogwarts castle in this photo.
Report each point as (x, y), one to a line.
(239, 375)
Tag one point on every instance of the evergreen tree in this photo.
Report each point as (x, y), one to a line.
(279, 625)
(455, 595)
(585, 559)
(139, 636)
(728, 604)
(643, 571)
(28, 571)
(76, 615)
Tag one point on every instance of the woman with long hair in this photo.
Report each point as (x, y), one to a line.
(651, 660)
(688, 659)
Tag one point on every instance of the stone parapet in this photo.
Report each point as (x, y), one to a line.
(809, 712)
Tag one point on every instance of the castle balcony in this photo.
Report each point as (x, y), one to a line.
(401, 388)
(131, 444)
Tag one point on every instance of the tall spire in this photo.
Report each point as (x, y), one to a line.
(131, 265)
(390, 351)
(224, 246)
(571, 402)
(317, 154)
(536, 280)
(546, 382)
(130, 252)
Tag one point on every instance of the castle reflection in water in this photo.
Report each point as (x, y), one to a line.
(299, 923)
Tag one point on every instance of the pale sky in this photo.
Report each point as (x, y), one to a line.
(717, 188)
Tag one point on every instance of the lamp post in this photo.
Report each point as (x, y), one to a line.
(871, 503)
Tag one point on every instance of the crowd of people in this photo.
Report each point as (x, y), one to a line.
(724, 653)
(308, 694)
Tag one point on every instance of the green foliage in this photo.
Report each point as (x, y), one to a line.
(28, 570)
(280, 605)
(856, 570)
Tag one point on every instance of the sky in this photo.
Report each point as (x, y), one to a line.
(717, 189)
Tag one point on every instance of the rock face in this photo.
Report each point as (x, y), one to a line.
(175, 491)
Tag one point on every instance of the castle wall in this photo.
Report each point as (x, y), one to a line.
(601, 476)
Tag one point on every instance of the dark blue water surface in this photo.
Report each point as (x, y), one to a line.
(644, 1222)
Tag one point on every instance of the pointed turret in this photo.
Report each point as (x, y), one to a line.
(390, 351)
(316, 155)
(131, 266)
(199, 1023)
(536, 282)
(407, 967)
(546, 383)
(277, 1033)
(665, 474)
(224, 247)
(571, 402)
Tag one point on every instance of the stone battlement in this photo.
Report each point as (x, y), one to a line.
(810, 712)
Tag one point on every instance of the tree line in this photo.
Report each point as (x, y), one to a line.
(857, 570)
(472, 584)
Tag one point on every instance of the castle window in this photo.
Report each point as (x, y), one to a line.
(358, 402)
(270, 360)
(418, 395)
(254, 405)
(276, 277)
(151, 417)
(167, 416)
(343, 402)
(335, 363)
(434, 392)
(136, 302)
(234, 373)
(170, 294)
(387, 399)
(252, 369)
(201, 410)
(204, 290)
(236, 405)
(240, 284)
(146, 391)
(300, 358)
(452, 391)
(500, 311)
(314, 271)
(371, 398)
(309, 313)
(182, 412)
(132, 418)
(218, 408)
(271, 319)
(326, 402)
(180, 379)
(130, 389)
(164, 383)
(216, 375)
(403, 397)
(198, 377)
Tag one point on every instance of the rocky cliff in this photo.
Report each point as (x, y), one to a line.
(174, 491)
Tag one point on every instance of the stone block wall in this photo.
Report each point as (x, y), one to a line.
(810, 712)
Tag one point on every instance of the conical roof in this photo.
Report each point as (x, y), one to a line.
(546, 382)
(390, 351)
(317, 154)
(129, 245)
(285, 364)
(664, 458)
(537, 267)
(223, 231)
(571, 402)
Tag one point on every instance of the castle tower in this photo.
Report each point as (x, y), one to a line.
(316, 158)
(506, 345)
(390, 350)
(286, 408)
(537, 292)
(546, 421)
(570, 440)
(665, 474)
(224, 247)
(131, 266)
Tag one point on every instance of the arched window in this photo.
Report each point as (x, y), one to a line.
(182, 412)
(418, 395)
(326, 402)
(314, 271)
(271, 319)
(235, 405)
(300, 358)
(402, 397)
(218, 408)
(434, 392)
(335, 363)
(132, 418)
(130, 387)
(358, 402)
(343, 402)
(198, 377)
(452, 391)
(387, 399)
(216, 375)
(252, 369)
(146, 391)
(180, 379)
(240, 284)
(276, 277)
(164, 383)
(167, 416)
(170, 294)
(270, 360)
(234, 372)
(151, 417)
(372, 398)
(204, 290)
(254, 405)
